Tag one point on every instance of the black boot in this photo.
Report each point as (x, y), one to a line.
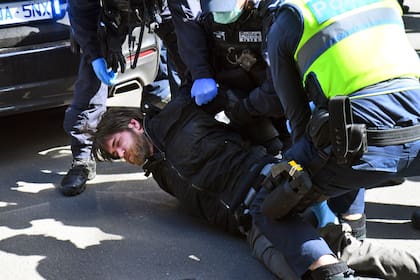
(335, 271)
(392, 182)
(358, 227)
(74, 182)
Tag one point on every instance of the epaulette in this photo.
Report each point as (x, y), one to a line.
(149, 109)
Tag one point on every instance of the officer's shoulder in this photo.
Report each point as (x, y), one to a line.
(265, 6)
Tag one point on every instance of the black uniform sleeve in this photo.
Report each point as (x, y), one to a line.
(84, 16)
(192, 41)
(263, 100)
(282, 41)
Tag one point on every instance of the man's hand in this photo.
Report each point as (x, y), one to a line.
(101, 71)
(204, 90)
(236, 110)
(239, 114)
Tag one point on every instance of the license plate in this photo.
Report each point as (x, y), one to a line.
(25, 11)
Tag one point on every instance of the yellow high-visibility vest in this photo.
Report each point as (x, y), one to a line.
(351, 44)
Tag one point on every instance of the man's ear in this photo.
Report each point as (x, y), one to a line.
(136, 125)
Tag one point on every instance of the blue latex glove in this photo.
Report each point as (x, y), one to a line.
(204, 90)
(101, 71)
(323, 214)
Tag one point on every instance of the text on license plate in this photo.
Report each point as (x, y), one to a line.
(18, 12)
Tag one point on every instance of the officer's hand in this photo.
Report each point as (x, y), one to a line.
(112, 31)
(114, 56)
(204, 90)
(111, 45)
(101, 71)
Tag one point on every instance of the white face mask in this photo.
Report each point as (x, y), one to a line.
(227, 17)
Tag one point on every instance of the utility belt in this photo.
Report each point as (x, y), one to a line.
(290, 191)
(349, 141)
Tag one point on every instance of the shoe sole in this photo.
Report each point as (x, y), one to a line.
(72, 191)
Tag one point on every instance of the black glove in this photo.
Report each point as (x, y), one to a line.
(114, 56)
(112, 33)
(237, 113)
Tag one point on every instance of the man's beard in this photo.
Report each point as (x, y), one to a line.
(140, 150)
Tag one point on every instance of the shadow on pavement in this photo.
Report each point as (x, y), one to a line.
(390, 221)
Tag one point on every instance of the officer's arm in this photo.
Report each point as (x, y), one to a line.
(281, 45)
(263, 100)
(192, 40)
(84, 16)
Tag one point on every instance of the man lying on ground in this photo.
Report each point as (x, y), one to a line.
(217, 175)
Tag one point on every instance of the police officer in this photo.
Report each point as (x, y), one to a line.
(227, 56)
(356, 63)
(90, 93)
(229, 47)
(231, 50)
(159, 18)
(101, 49)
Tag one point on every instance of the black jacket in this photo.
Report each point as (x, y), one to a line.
(200, 161)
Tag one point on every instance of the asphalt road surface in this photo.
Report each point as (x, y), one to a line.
(123, 226)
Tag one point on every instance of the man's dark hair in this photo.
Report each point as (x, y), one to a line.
(114, 120)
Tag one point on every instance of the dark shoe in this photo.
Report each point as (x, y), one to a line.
(74, 182)
(392, 182)
(358, 227)
(349, 276)
(335, 271)
(337, 237)
(373, 260)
